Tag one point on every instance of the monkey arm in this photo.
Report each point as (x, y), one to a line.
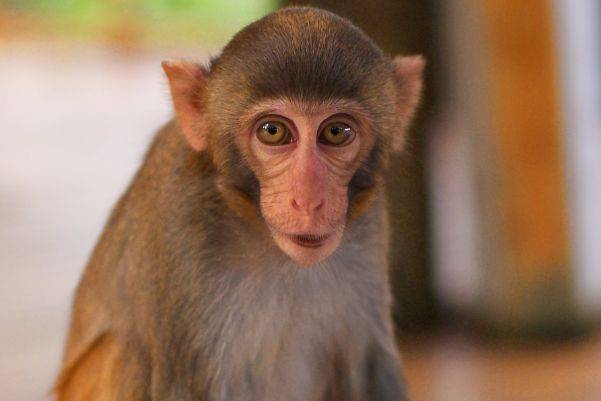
(96, 355)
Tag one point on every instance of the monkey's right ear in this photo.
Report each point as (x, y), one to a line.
(187, 81)
(408, 71)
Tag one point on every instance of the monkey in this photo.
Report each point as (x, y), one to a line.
(247, 258)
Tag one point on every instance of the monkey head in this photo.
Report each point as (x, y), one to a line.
(298, 114)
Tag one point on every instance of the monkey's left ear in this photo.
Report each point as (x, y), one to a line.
(187, 82)
(408, 72)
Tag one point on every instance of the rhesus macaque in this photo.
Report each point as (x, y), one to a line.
(247, 260)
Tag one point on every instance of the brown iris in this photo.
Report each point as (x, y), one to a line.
(274, 133)
(336, 134)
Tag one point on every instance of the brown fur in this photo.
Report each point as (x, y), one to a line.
(186, 297)
(92, 376)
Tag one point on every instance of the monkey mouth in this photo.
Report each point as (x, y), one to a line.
(308, 240)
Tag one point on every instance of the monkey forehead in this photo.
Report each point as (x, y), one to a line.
(314, 109)
(305, 53)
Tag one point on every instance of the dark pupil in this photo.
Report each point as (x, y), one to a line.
(335, 130)
(272, 129)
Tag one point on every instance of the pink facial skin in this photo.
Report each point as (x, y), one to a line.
(304, 183)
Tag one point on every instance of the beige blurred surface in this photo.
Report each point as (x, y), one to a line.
(73, 127)
(451, 367)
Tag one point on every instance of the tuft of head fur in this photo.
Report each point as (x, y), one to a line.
(303, 53)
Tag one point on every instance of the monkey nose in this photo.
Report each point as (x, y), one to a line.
(307, 206)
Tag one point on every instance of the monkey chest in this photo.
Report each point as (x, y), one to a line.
(279, 349)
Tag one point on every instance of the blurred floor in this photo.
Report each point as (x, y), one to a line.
(73, 127)
(450, 367)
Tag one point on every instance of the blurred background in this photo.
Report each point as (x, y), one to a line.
(496, 203)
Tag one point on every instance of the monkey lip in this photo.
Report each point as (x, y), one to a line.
(308, 240)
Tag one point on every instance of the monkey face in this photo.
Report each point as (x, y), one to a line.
(304, 156)
(298, 115)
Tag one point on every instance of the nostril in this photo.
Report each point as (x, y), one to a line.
(307, 206)
(295, 204)
(319, 205)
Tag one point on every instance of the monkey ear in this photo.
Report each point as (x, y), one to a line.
(187, 81)
(408, 71)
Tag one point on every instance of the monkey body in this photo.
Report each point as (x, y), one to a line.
(248, 258)
(278, 332)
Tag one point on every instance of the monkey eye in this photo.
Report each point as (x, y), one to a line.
(274, 133)
(336, 134)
